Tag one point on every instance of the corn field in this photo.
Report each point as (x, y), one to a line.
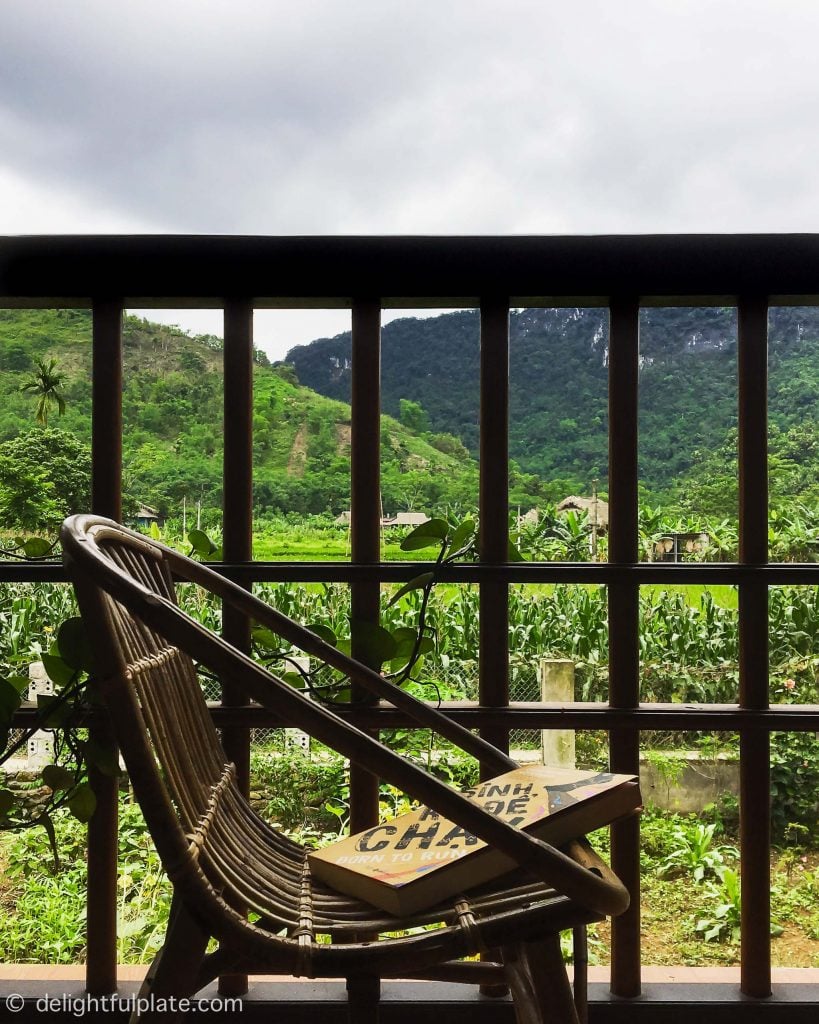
(688, 644)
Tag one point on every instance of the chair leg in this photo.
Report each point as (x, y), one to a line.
(540, 987)
(363, 999)
(580, 961)
(174, 971)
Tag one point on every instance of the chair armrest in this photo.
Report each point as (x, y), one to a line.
(422, 713)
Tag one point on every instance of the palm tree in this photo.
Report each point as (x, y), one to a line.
(46, 382)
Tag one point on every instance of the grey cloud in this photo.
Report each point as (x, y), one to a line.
(387, 116)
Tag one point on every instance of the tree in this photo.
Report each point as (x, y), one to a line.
(46, 382)
(413, 416)
(44, 476)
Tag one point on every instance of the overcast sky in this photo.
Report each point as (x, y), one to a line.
(407, 116)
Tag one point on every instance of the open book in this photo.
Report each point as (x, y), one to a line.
(420, 858)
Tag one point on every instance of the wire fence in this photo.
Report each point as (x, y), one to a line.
(453, 680)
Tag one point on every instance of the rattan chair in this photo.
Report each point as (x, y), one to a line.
(220, 855)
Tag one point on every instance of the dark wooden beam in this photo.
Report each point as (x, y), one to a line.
(205, 270)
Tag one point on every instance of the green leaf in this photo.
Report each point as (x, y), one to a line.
(48, 825)
(36, 547)
(513, 554)
(404, 634)
(416, 583)
(201, 542)
(374, 645)
(103, 758)
(7, 801)
(265, 638)
(342, 696)
(57, 778)
(462, 535)
(73, 644)
(406, 639)
(294, 679)
(324, 633)
(401, 662)
(430, 534)
(59, 672)
(20, 683)
(83, 803)
(9, 700)
(53, 716)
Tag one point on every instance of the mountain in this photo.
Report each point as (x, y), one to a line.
(558, 408)
(558, 387)
(173, 416)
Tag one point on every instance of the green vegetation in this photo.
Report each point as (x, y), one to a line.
(688, 635)
(48, 924)
(558, 415)
(44, 475)
(47, 383)
(559, 397)
(173, 414)
(683, 921)
(695, 853)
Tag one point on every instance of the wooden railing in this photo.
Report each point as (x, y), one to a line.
(623, 273)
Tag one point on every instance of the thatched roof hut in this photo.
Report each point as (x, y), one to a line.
(596, 509)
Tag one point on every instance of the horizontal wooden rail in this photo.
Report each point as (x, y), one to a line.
(327, 271)
(712, 574)
(536, 715)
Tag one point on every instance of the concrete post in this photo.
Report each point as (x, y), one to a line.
(40, 750)
(557, 685)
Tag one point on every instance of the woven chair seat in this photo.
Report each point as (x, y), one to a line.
(241, 881)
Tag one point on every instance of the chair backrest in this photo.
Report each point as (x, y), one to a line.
(161, 722)
(187, 791)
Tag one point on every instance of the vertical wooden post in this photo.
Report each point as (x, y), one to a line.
(106, 500)
(237, 527)
(754, 761)
(493, 654)
(624, 604)
(494, 509)
(365, 508)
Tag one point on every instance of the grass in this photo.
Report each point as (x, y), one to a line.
(324, 546)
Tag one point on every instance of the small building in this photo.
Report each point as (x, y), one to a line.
(677, 547)
(146, 515)
(406, 519)
(399, 519)
(596, 509)
(530, 518)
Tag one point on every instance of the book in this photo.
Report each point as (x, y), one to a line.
(420, 858)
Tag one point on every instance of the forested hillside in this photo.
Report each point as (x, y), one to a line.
(558, 430)
(558, 401)
(174, 424)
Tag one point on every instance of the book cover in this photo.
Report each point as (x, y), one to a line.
(419, 858)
